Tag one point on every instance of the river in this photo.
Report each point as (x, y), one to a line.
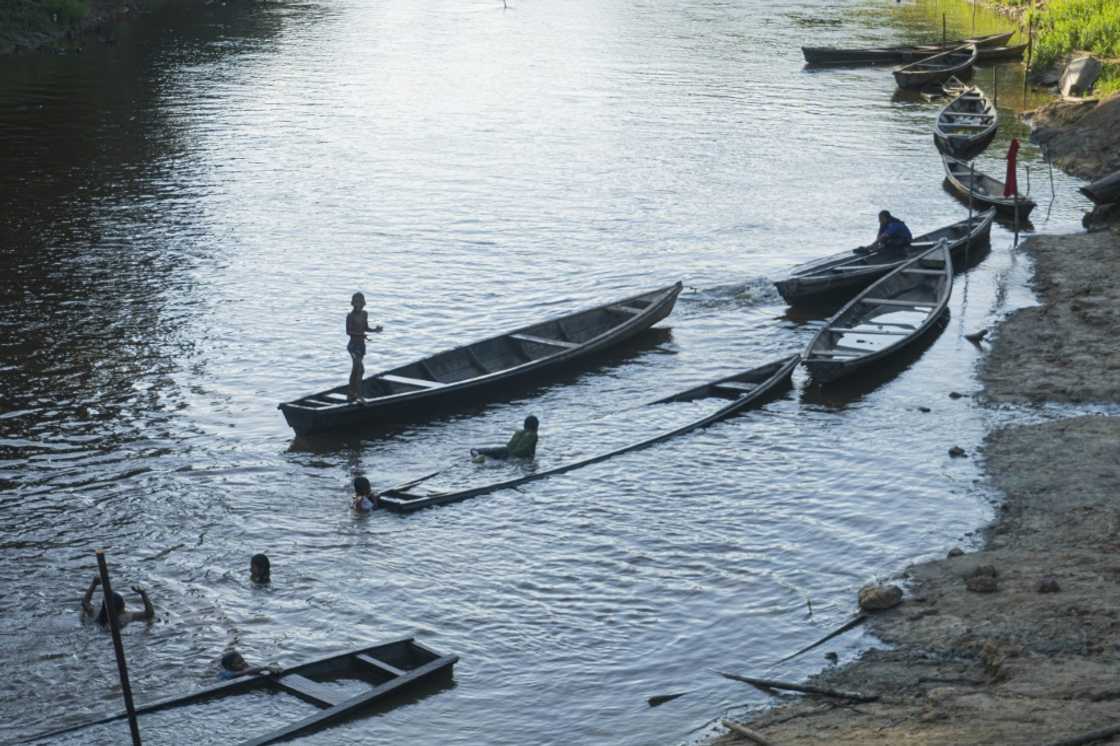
(186, 213)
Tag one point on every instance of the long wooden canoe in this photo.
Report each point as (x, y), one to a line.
(895, 55)
(985, 192)
(885, 318)
(938, 68)
(835, 279)
(743, 390)
(482, 368)
(967, 124)
(388, 668)
(1104, 190)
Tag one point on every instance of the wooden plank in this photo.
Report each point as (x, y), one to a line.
(543, 341)
(836, 354)
(890, 302)
(379, 665)
(841, 330)
(922, 272)
(331, 396)
(309, 690)
(625, 309)
(736, 386)
(410, 381)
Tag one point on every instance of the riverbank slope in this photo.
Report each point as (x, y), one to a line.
(66, 25)
(1034, 660)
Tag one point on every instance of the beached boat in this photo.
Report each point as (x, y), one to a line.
(983, 191)
(938, 68)
(967, 124)
(480, 369)
(835, 279)
(885, 318)
(1105, 190)
(380, 672)
(895, 55)
(1000, 54)
(743, 390)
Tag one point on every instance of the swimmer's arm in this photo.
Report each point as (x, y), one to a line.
(375, 329)
(87, 600)
(149, 613)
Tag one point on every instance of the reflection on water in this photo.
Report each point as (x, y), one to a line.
(188, 212)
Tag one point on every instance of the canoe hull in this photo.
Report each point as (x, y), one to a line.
(988, 46)
(937, 69)
(410, 405)
(988, 195)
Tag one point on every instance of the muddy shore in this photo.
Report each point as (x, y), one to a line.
(1035, 661)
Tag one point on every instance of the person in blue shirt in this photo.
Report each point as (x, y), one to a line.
(365, 499)
(893, 235)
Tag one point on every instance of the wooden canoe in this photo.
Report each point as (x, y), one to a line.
(388, 668)
(985, 192)
(835, 279)
(938, 68)
(1000, 54)
(894, 55)
(1105, 190)
(744, 390)
(482, 368)
(967, 124)
(885, 318)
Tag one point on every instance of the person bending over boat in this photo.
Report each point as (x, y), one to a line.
(233, 666)
(365, 499)
(357, 324)
(893, 235)
(260, 569)
(124, 616)
(523, 444)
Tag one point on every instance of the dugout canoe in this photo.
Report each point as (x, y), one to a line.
(885, 318)
(835, 279)
(482, 369)
(894, 55)
(985, 192)
(966, 125)
(743, 391)
(1105, 190)
(938, 68)
(388, 669)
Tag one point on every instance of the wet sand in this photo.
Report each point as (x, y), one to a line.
(1019, 665)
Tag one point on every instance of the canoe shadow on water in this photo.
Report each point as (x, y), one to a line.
(652, 340)
(842, 393)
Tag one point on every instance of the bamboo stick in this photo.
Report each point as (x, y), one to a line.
(803, 688)
(118, 647)
(745, 733)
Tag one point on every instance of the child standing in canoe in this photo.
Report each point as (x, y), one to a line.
(357, 324)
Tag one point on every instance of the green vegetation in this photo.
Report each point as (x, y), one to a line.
(68, 11)
(1064, 26)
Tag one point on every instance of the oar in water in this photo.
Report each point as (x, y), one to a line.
(414, 482)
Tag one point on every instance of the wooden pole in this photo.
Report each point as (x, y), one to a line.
(944, 38)
(746, 733)
(1030, 48)
(118, 647)
(974, 2)
(995, 86)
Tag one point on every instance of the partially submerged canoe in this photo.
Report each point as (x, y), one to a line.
(967, 124)
(1105, 190)
(474, 371)
(835, 279)
(983, 191)
(895, 55)
(885, 318)
(938, 68)
(388, 669)
(743, 390)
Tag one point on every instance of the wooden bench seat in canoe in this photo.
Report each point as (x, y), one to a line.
(309, 690)
(736, 388)
(842, 330)
(890, 302)
(625, 309)
(406, 381)
(543, 341)
(379, 665)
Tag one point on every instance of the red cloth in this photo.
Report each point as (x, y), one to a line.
(1011, 185)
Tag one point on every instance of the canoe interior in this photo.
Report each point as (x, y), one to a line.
(339, 684)
(936, 69)
(743, 390)
(885, 55)
(543, 344)
(967, 125)
(984, 190)
(887, 316)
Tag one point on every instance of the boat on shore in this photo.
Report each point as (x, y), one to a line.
(938, 68)
(885, 318)
(744, 390)
(983, 191)
(967, 124)
(989, 48)
(387, 669)
(474, 371)
(835, 279)
(1104, 190)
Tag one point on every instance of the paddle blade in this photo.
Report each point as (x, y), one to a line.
(661, 699)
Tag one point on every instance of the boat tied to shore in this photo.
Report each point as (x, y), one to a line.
(938, 68)
(474, 371)
(983, 191)
(744, 390)
(966, 125)
(885, 318)
(989, 47)
(836, 278)
(380, 672)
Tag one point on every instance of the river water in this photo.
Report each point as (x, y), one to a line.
(186, 213)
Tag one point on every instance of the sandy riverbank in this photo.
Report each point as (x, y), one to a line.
(1017, 665)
